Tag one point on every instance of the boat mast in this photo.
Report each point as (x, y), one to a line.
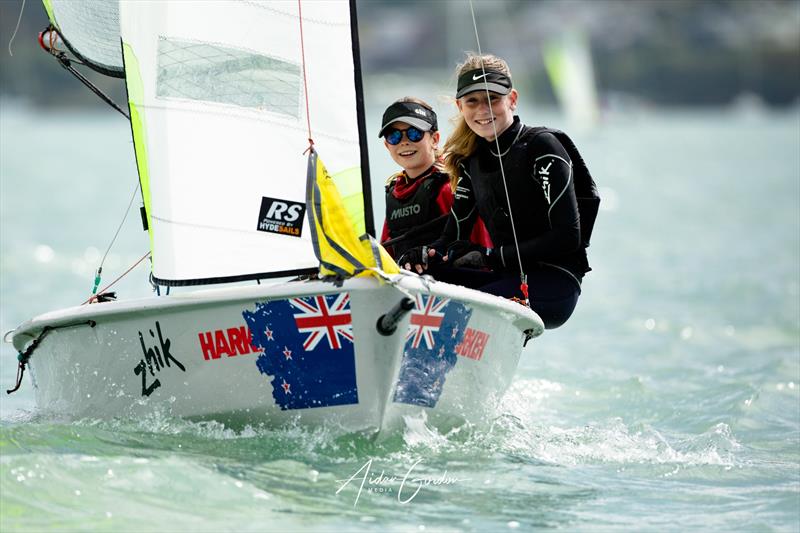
(366, 189)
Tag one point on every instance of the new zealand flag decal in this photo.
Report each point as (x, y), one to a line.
(308, 350)
(436, 327)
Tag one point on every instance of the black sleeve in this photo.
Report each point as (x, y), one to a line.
(462, 215)
(551, 169)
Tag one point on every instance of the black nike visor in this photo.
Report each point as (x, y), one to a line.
(493, 81)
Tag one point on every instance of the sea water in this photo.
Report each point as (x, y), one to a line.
(670, 400)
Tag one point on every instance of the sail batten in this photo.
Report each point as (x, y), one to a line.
(221, 118)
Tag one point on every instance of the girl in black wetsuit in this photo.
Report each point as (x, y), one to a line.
(497, 161)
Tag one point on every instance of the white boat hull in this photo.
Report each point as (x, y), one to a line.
(192, 355)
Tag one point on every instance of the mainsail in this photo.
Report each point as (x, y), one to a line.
(220, 114)
(90, 30)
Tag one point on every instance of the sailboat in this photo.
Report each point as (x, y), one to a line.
(233, 105)
(568, 63)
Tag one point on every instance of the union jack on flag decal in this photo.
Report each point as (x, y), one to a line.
(304, 371)
(320, 320)
(441, 323)
(426, 319)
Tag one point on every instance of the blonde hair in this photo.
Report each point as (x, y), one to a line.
(437, 152)
(463, 142)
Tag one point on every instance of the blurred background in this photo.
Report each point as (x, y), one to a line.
(648, 52)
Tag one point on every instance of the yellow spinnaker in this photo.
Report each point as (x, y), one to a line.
(341, 252)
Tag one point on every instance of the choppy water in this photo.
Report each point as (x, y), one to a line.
(670, 401)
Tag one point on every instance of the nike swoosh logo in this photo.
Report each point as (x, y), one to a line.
(476, 78)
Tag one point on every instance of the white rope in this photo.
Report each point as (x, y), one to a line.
(127, 211)
(497, 143)
(21, 10)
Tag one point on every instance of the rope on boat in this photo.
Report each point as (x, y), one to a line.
(48, 39)
(66, 62)
(25, 356)
(305, 80)
(523, 277)
(95, 297)
(99, 272)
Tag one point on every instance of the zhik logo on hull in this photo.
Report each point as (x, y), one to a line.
(281, 216)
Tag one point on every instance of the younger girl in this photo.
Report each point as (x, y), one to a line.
(419, 197)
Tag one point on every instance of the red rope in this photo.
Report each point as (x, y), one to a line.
(48, 34)
(305, 80)
(104, 289)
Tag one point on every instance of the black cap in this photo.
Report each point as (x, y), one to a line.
(481, 80)
(412, 113)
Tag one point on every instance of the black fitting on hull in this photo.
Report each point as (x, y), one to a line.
(387, 324)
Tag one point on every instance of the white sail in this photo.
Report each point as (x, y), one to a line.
(218, 109)
(91, 30)
(568, 61)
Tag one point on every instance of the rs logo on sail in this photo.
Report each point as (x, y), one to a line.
(281, 216)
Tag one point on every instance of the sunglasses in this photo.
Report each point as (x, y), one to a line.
(394, 137)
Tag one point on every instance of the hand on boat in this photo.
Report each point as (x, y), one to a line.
(457, 251)
(467, 254)
(419, 258)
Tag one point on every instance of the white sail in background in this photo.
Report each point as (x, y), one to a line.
(218, 111)
(568, 61)
(91, 30)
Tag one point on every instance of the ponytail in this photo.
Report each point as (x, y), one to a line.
(460, 145)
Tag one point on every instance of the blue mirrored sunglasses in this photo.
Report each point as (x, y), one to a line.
(394, 136)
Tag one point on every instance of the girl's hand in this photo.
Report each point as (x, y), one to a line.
(418, 258)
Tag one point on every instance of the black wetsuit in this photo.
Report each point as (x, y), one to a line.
(538, 173)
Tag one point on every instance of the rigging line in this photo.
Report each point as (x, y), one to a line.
(66, 63)
(499, 155)
(52, 36)
(21, 10)
(305, 79)
(104, 289)
(127, 212)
